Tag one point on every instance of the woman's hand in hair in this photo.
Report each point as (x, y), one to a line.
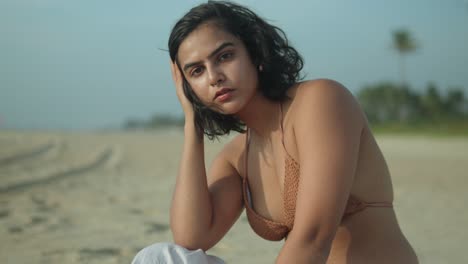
(178, 81)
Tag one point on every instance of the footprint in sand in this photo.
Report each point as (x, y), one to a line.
(43, 205)
(36, 220)
(63, 223)
(155, 227)
(4, 213)
(15, 229)
(88, 253)
(136, 211)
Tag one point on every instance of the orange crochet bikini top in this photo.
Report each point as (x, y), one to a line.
(272, 230)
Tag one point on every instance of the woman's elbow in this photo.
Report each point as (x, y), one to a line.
(189, 240)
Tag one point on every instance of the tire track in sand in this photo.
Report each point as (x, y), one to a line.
(60, 174)
(27, 154)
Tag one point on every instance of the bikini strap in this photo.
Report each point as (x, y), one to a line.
(246, 157)
(281, 125)
(282, 131)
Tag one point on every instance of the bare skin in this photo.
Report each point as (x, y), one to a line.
(325, 130)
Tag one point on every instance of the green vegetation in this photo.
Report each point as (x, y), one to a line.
(392, 108)
(157, 121)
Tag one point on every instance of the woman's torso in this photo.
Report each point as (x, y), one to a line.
(370, 236)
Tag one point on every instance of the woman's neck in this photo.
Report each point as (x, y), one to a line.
(262, 115)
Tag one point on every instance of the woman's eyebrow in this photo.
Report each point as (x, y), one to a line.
(222, 46)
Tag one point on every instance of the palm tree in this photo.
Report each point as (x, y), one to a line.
(403, 43)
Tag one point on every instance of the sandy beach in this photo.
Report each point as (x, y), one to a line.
(99, 197)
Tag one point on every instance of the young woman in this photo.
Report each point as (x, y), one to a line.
(305, 166)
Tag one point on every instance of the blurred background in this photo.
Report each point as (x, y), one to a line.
(101, 64)
(90, 132)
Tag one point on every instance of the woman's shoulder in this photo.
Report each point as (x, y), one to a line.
(236, 144)
(322, 101)
(233, 150)
(322, 95)
(317, 88)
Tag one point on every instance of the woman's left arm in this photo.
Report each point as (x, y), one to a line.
(327, 126)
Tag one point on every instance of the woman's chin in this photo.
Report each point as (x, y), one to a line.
(225, 111)
(229, 108)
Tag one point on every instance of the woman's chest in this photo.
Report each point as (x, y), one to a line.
(266, 174)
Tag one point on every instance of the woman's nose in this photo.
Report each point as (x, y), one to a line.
(216, 76)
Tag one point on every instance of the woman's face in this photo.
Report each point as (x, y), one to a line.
(218, 67)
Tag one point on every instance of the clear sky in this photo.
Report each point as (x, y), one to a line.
(92, 64)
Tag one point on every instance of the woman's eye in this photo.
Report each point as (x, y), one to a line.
(196, 71)
(225, 56)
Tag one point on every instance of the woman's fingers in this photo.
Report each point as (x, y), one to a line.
(174, 70)
(177, 77)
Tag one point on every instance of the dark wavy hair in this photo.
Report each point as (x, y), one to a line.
(267, 45)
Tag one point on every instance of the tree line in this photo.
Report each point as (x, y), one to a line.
(154, 122)
(389, 102)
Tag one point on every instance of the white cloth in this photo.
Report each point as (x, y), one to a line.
(170, 253)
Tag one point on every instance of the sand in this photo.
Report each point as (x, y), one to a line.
(99, 197)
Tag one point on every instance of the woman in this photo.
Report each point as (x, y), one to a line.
(307, 168)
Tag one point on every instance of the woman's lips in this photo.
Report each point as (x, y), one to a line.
(223, 94)
(224, 97)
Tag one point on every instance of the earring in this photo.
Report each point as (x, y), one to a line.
(260, 67)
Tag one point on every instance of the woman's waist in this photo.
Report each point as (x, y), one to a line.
(371, 236)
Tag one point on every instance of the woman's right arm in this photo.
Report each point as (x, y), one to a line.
(203, 208)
